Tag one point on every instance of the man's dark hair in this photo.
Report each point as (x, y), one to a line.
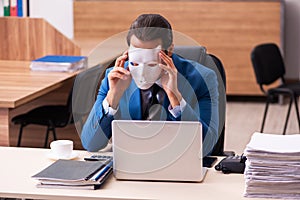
(149, 27)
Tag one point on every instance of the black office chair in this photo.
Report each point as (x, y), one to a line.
(85, 91)
(218, 150)
(51, 116)
(198, 54)
(269, 66)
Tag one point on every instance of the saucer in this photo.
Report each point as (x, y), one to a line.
(52, 156)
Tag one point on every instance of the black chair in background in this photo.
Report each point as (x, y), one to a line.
(50, 116)
(269, 67)
(79, 103)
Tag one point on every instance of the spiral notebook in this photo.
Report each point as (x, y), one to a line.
(74, 174)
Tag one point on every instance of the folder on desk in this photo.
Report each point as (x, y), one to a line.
(74, 174)
(59, 63)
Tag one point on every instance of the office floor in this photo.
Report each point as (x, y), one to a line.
(244, 118)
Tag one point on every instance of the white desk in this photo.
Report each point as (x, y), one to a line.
(19, 164)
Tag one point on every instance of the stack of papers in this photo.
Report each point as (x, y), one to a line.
(59, 63)
(273, 166)
(74, 174)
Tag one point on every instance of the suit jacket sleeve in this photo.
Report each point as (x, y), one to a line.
(205, 108)
(200, 91)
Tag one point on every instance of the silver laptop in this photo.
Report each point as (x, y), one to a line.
(157, 150)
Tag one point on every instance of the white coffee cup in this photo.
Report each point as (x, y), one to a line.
(62, 148)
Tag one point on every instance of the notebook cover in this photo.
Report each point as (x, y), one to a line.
(59, 59)
(69, 170)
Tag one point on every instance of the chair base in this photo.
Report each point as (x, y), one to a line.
(49, 128)
(294, 99)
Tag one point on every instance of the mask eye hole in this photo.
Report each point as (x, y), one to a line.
(152, 64)
(134, 64)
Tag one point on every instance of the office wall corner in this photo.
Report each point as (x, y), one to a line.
(59, 13)
(292, 39)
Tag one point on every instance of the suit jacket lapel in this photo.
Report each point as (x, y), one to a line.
(130, 105)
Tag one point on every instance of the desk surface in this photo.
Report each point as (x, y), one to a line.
(19, 85)
(19, 164)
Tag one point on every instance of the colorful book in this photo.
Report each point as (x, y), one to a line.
(13, 8)
(59, 63)
(20, 8)
(25, 7)
(6, 9)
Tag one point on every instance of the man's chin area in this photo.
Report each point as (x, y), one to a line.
(145, 86)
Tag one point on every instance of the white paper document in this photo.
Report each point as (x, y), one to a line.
(273, 166)
(275, 143)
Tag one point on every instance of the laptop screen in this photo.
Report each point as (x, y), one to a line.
(156, 150)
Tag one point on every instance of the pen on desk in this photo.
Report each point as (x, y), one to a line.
(102, 171)
(106, 160)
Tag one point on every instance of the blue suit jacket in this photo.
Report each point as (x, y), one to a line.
(198, 86)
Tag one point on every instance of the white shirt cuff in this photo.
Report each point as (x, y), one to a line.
(177, 110)
(107, 109)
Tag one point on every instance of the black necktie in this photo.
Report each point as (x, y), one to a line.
(152, 99)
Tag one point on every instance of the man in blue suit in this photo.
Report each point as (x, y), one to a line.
(149, 82)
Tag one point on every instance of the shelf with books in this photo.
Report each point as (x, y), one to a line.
(18, 8)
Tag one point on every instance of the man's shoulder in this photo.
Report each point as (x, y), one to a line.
(189, 67)
(205, 71)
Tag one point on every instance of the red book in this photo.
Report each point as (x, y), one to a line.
(13, 8)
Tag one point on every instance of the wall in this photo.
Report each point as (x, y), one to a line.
(229, 29)
(59, 13)
(292, 39)
(63, 21)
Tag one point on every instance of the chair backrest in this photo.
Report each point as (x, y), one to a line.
(268, 64)
(195, 53)
(69, 106)
(220, 67)
(84, 94)
(198, 54)
(218, 150)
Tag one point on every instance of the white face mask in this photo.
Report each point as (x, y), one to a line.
(144, 66)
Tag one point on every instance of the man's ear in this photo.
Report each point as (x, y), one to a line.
(170, 50)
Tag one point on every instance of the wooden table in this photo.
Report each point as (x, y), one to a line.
(19, 164)
(19, 85)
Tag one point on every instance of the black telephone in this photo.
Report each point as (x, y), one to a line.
(232, 164)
